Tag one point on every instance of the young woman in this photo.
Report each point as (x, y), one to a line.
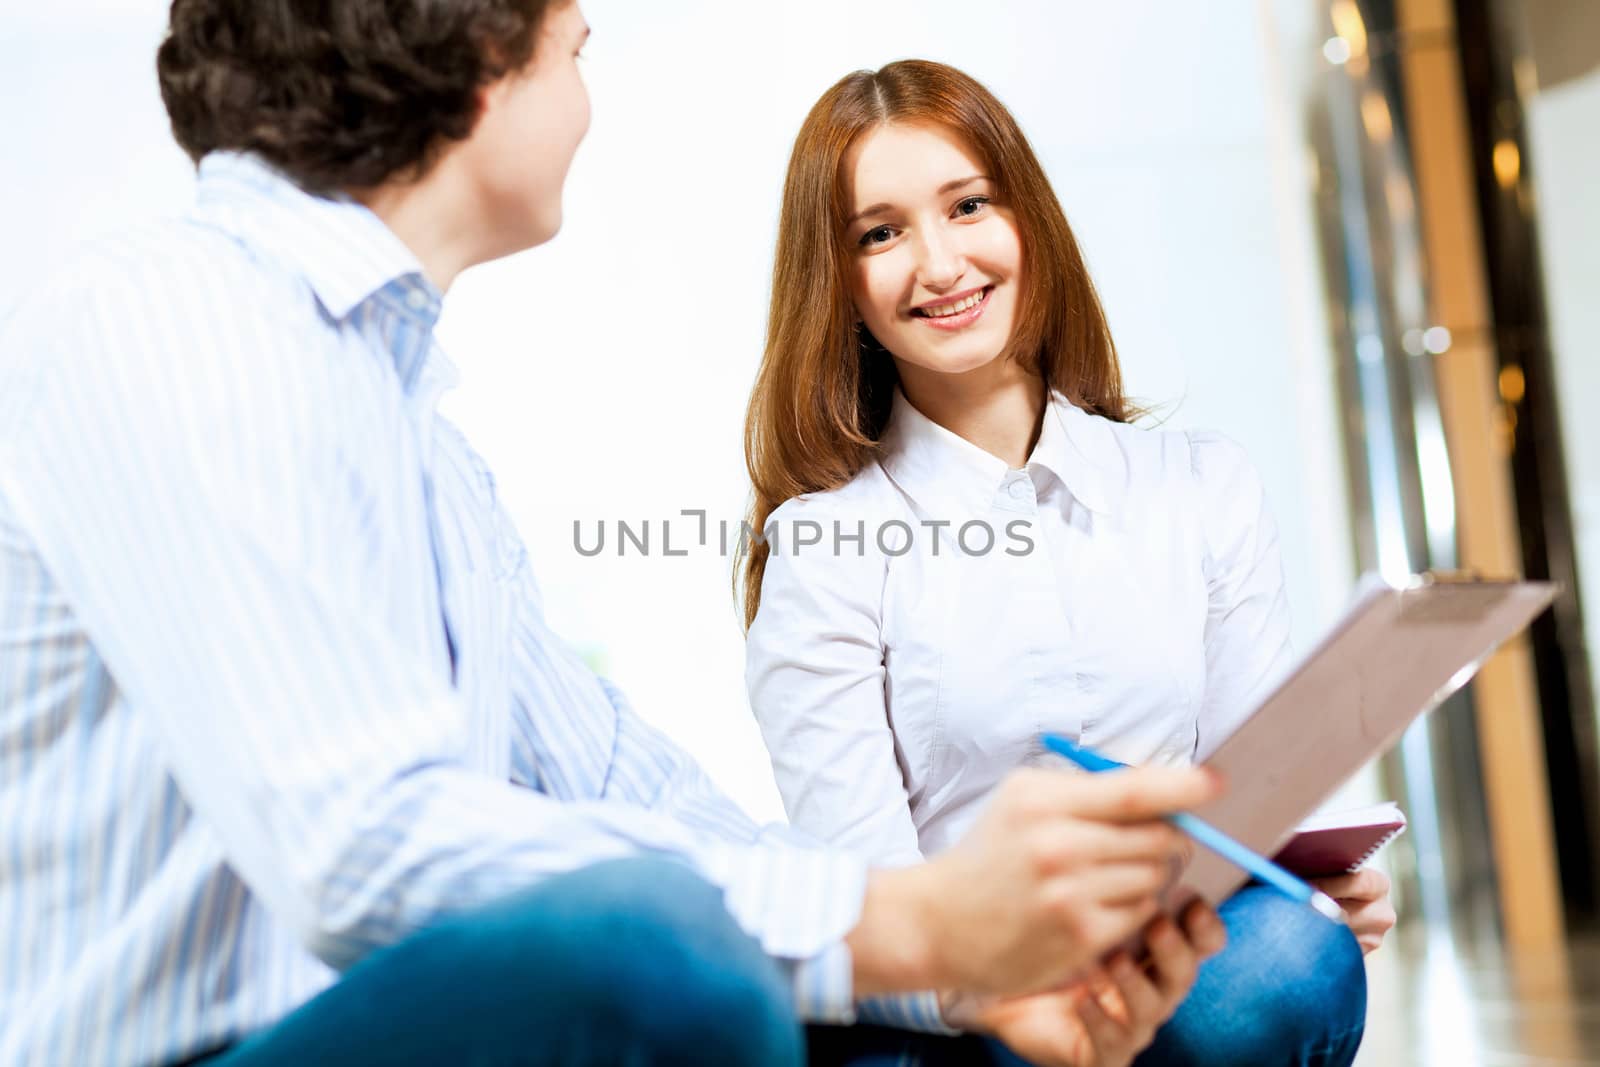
(968, 543)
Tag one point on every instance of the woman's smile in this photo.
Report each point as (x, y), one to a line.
(954, 314)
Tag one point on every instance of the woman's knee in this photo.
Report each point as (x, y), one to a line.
(1307, 968)
(1290, 988)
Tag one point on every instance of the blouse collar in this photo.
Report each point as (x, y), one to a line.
(943, 471)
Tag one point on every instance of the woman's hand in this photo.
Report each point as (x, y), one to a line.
(1364, 896)
(1106, 1019)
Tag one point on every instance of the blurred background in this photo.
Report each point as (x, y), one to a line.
(1360, 236)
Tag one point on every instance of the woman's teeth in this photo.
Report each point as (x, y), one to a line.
(959, 306)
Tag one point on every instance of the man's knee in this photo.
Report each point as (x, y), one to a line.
(632, 960)
(649, 949)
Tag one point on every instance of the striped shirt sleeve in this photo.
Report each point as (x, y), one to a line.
(797, 899)
(221, 558)
(911, 1011)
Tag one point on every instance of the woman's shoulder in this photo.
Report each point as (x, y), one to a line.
(822, 552)
(869, 494)
(1225, 494)
(1221, 467)
(845, 534)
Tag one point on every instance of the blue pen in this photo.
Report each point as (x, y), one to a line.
(1210, 836)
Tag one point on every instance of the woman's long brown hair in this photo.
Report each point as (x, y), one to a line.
(823, 392)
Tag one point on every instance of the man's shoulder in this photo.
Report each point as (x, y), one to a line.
(168, 292)
(165, 317)
(138, 284)
(171, 258)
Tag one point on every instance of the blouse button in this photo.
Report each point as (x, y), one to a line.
(1019, 489)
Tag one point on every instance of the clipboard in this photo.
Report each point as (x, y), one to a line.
(1397, 653)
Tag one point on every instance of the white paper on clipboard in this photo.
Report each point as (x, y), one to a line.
(1396, 654)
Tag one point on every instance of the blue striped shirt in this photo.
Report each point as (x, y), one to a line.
(275, 684)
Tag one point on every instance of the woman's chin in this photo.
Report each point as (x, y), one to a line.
(955, 363)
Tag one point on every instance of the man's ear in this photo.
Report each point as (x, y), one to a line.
(485, 98)
(489, 96)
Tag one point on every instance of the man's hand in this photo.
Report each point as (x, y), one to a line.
(1364, 896)
(1109, 1018)
(1058, 870)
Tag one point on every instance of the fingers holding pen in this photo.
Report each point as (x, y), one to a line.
(1058, 870)
(1130, 795)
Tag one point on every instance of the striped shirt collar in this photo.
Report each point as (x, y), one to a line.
(344, 251)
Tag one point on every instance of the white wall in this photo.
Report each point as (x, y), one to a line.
(605, 374)
(1565, 167)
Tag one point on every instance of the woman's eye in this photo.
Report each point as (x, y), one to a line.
(971, 205)
(876, 237)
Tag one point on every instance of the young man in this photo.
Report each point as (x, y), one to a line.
(291, 768)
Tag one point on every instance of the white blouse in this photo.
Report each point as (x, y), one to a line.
(1128, 593)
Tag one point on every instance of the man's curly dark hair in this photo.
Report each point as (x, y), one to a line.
(338, 94)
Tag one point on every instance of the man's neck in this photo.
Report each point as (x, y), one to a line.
(433, 217)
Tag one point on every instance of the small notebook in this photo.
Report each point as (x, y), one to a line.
(1338, 842)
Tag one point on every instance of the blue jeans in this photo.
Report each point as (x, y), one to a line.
(1290, 990)
(635, 962)
(631, 962)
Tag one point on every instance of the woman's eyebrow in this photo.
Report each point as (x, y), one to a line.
(947, 187)
(875, 209)
(959, 182)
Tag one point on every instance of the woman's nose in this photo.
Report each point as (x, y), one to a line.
(940, 262)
